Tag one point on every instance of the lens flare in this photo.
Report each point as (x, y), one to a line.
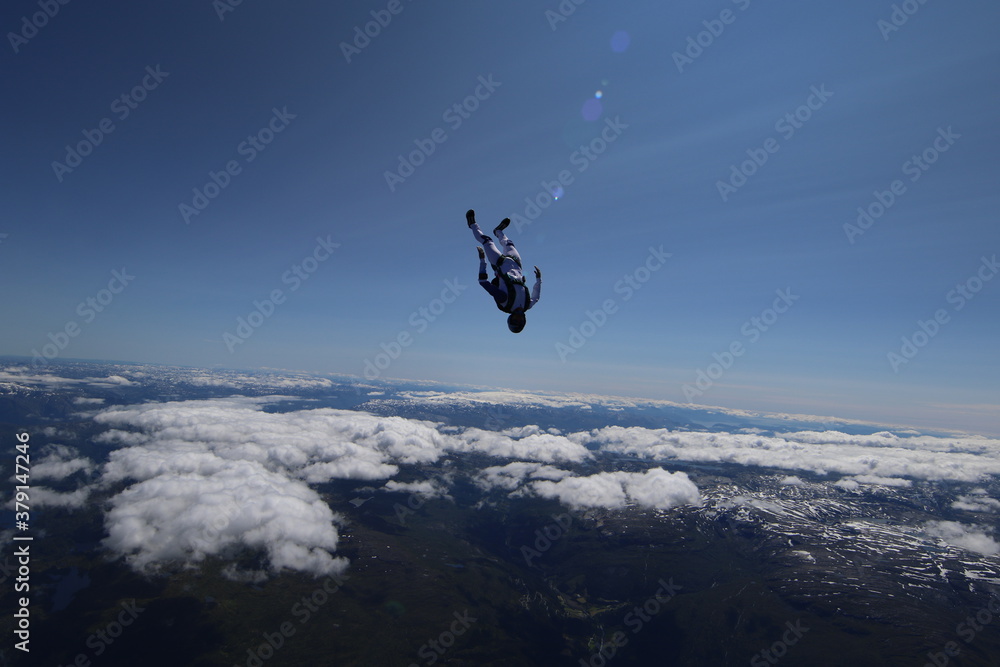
(620, 41)
(592, 109)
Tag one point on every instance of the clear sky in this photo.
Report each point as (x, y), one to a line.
(649, 112)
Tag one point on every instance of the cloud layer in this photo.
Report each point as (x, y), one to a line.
(212, 477)
(209, 477)
(877, 458)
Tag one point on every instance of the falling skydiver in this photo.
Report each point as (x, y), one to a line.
(508, 287)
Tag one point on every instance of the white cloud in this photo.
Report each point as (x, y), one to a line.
(848, 484)
(425, 489)
(190, 461)
(234, 380)
(600, 490)
(882, 455)
(59, 462)
(111, 380)
(509, 477)
(535, 446)
(965, 537)
(44, 497)
(655, 488)
(882, 481)
(177, 453)
(21, 376)
(184, 517)
(976, 503)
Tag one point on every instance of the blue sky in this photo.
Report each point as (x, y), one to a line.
(678, 127)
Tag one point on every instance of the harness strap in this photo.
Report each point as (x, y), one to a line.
(511, 285)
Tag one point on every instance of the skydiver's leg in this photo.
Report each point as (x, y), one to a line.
(507, 245)
(492, 253)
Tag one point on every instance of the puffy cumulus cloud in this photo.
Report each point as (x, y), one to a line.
(660, 489)
(791, 480)
(191, 461)
(601, 490)
(848, 485)
(196, 461)
(427, 488)
(110, 381)
(656, 489)
(534, 445)
(185, 517)
(319, 444)
(883, 481)
(971, 538)
(884, 455)
(44, 497)
(59, 462)
(509, 477)
(976, 502)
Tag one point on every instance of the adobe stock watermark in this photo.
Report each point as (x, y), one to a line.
(87, 310)
(303, 610)
(413, 503)
(248, 149)
(899, 17)
(635, 620)
(786, 126)
(364, 34)
(752, 329)
(696, 44)
(967, 630)
(496, 418)
(212, 529)
(223, 7)
(581, 159)
(562, 12)
(102, 639)
(914, 168)
(415, 500)
(455, 115)
(434, 648)
(547, 536)
(779, 649)
(958, 297)
(30, 25)
(419, 321)
(294, 277)
(122, 107)
(627, 286)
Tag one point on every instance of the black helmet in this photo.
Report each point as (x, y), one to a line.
(516, 321)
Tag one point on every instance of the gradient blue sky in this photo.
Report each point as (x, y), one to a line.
(656, 184)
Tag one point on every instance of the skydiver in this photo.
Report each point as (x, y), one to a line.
(507, 287)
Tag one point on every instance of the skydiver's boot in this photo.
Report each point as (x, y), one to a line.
(502, 226)
(470, 217)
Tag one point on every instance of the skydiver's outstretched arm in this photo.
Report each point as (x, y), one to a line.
(536, 291)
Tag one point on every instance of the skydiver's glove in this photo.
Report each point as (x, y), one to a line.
(482, 255)
(538, 273)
